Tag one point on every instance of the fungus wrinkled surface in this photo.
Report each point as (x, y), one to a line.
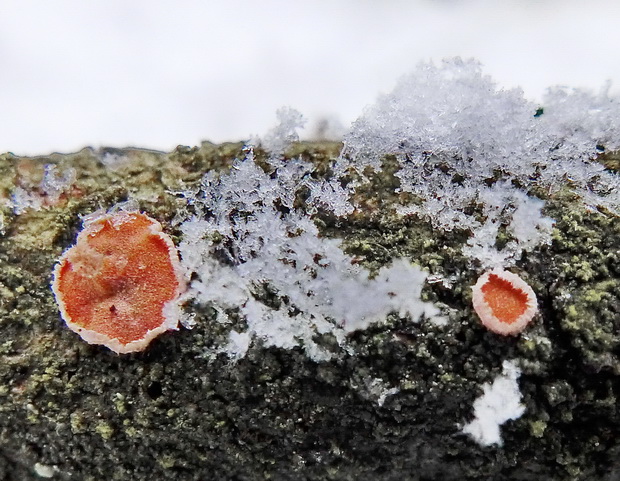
(114, 286)
(504, 302)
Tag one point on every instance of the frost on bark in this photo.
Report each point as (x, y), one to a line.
(222, 398)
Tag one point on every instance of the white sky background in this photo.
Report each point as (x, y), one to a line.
(156, 74)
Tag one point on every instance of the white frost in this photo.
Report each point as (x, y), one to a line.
(279, 138)
(253, 251)
(471, 153)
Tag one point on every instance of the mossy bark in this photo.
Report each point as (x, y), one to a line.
(390, 410)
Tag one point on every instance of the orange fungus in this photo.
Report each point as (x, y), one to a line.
(117, 284)
(504, 302)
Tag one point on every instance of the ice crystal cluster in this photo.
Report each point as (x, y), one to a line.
(471, 153)
(53, 184)
(258, 255)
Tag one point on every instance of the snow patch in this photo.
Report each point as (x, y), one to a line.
(471, 153)
(499, 403)
(255, 252)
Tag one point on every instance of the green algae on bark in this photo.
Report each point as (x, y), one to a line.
(389, 409)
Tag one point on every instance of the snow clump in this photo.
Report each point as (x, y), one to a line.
(256, 254)
(470, 153)
(499, 403)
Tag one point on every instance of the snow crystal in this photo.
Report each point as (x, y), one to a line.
(254, 251)
(113, 160)
(463, 144)
(53, 184)
(23, 199)
(238, 344)
(525, 222)
(377, 390)
(277, 140)
(499, 403)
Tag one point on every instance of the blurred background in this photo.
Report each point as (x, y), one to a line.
(156, 74)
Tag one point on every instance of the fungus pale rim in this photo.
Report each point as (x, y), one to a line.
(486, 312)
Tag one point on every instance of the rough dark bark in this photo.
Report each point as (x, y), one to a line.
(81, 412)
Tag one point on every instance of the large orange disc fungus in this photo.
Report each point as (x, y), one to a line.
(114, 286)
(504, 302)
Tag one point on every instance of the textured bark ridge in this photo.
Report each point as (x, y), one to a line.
(391, 405)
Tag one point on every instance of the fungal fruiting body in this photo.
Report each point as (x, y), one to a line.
(114, 284)
(504, 302)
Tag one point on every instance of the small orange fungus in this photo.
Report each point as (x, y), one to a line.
(116, 285)
(504, 302)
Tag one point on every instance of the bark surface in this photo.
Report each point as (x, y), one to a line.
(72, 411)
